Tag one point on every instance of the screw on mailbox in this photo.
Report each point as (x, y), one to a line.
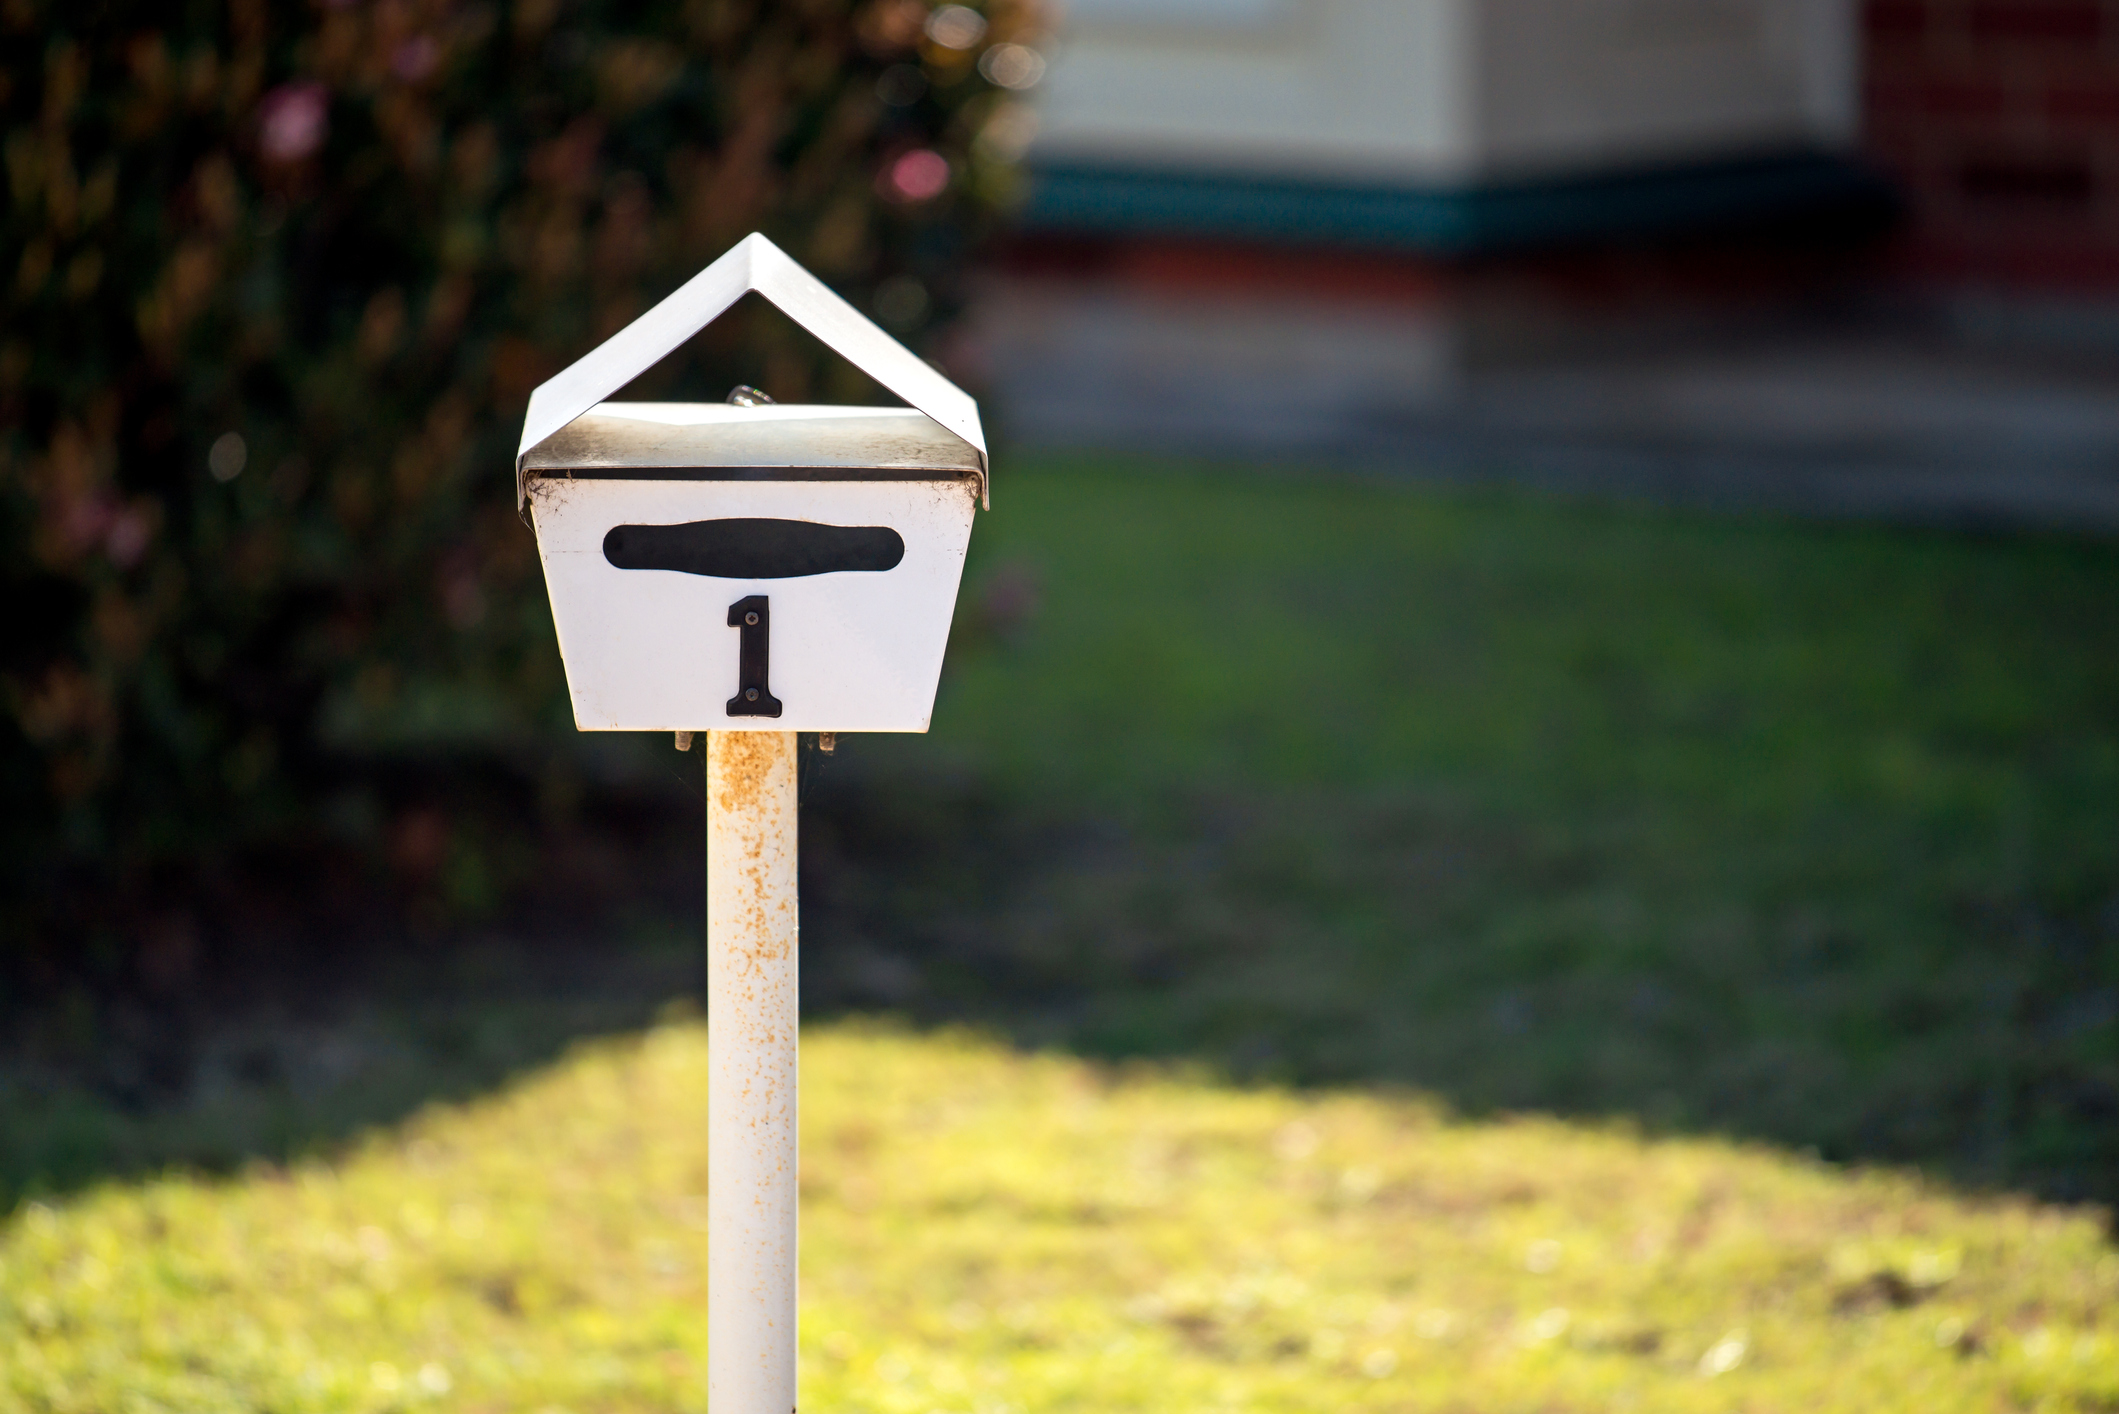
(650, 518)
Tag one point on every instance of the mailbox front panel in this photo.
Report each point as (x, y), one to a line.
(648, 588)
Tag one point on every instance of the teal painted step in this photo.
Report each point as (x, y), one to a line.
(1459, 221)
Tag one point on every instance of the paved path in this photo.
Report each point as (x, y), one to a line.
(1867, 422)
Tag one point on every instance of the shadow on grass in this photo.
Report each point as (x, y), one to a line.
(1341, 937)
(277, 1000)
(1315, 939)
(287, 1076)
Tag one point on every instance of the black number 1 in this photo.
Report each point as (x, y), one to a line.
(754, 616)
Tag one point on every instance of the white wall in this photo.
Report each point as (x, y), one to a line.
(1337, 87)
(1444, 91)
(1567, 83)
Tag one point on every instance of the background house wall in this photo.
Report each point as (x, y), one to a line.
(1999, 120)
(1446, 91)
(1765, 248)
(1996, 122)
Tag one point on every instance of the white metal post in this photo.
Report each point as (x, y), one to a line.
(752, 1019)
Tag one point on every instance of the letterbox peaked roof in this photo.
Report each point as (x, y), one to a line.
(753, 263)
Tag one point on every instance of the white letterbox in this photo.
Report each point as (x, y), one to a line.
(767, 568)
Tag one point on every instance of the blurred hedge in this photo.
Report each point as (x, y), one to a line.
(278, 281)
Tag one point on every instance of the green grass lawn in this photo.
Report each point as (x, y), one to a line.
(985, 1231)
(1785, 829)
(1748, 852)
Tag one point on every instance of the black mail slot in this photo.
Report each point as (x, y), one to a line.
(747, 547)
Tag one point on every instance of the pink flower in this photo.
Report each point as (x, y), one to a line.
(917, 176)
(293, 120)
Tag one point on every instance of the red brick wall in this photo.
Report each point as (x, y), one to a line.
(2001, 120)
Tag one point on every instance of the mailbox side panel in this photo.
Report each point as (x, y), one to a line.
(850, 651)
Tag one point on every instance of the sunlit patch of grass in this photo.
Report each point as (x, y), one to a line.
(986, 1231)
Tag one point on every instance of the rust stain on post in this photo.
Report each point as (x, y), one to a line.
(752, 953)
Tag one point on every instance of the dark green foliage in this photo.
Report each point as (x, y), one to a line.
(278, 281)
